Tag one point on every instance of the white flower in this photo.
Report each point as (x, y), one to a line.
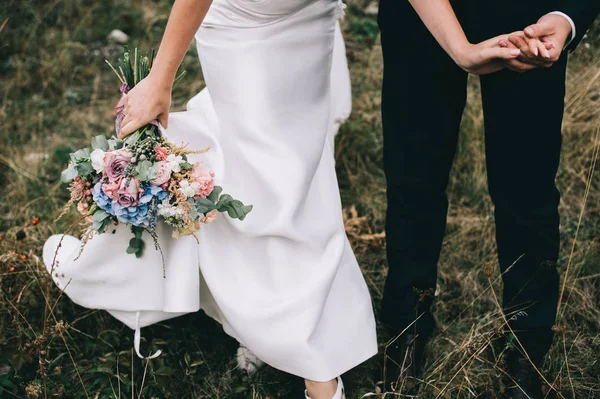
(188, 189)
(167, 210)
(174, 161)
(97, 158)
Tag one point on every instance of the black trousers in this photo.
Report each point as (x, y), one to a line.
(424, 94)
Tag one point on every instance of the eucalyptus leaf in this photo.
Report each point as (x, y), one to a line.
(136, 243)
(100, 215)
(84, 168)
(214, 196)
(204, 205)
(146, 171)
(81, 155)
(132, 138)
(100, 143)
(224, 202)
(237, 210)
(69, 174)
(115, 143)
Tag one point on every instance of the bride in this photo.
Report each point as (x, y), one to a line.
(285, 282)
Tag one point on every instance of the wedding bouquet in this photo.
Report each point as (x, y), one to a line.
(144, 179)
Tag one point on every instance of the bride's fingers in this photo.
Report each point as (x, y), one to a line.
(129, 127)
(491, 53)
(126, 119)
(519, 43)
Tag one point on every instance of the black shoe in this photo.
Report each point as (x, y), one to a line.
(403, 363)
(522, 381)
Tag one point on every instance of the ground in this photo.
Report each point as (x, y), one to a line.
(56, 93)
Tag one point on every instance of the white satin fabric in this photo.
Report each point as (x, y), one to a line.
(284, 282)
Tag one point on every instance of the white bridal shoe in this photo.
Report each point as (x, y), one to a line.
(247, 360)
(339, 392)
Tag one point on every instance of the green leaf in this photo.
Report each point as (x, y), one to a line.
(81, 155)
(214, 195)
(136, 243)
(5, 382)
(186, 165)
(224, 202)
(239, 212)
(115, 143)
(204, 205)
(131, 250)
(146, 171)
(137, 231)
(100, 143)
(68, 174)
(196, 363)
(179, 77)
(100, 215)
(84, 168)
(166, 371)
(132, 138)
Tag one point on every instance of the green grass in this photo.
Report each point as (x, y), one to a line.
(56, 93)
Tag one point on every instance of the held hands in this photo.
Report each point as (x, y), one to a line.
(147, 101)
(538, 46)
(551, 30)
(486, 57)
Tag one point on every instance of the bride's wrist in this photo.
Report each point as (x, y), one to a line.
(459, 52)
(161, 80)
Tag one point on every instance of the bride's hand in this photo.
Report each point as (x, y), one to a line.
(485, 57)
(150, 99)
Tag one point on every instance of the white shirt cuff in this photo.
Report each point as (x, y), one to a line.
(573, 33)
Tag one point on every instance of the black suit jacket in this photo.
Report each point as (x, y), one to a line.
(583, 13)
(483, 19)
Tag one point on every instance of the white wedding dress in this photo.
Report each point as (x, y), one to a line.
(284, 282)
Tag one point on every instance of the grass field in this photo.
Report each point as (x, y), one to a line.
(56, 92)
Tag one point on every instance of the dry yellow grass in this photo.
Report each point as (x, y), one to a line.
(55, 93)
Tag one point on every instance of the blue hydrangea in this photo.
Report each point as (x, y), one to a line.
(136, 215)
(101, 199)
(152, 191)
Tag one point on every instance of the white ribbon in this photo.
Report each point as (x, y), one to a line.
(137, 336)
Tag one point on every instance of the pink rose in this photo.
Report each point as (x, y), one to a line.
(129, 192)
(83, 207)
(210, 216)
(116, 164)
(161, 153)
(163, 175)
(205, 179)
(111, 188)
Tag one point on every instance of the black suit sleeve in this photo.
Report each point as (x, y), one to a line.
(583, 13)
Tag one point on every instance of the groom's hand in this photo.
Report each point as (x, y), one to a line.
(552, 30)
(534, 53)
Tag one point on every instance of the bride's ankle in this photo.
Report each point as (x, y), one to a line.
(321, 390)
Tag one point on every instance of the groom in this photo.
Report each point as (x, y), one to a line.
(424, 94)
